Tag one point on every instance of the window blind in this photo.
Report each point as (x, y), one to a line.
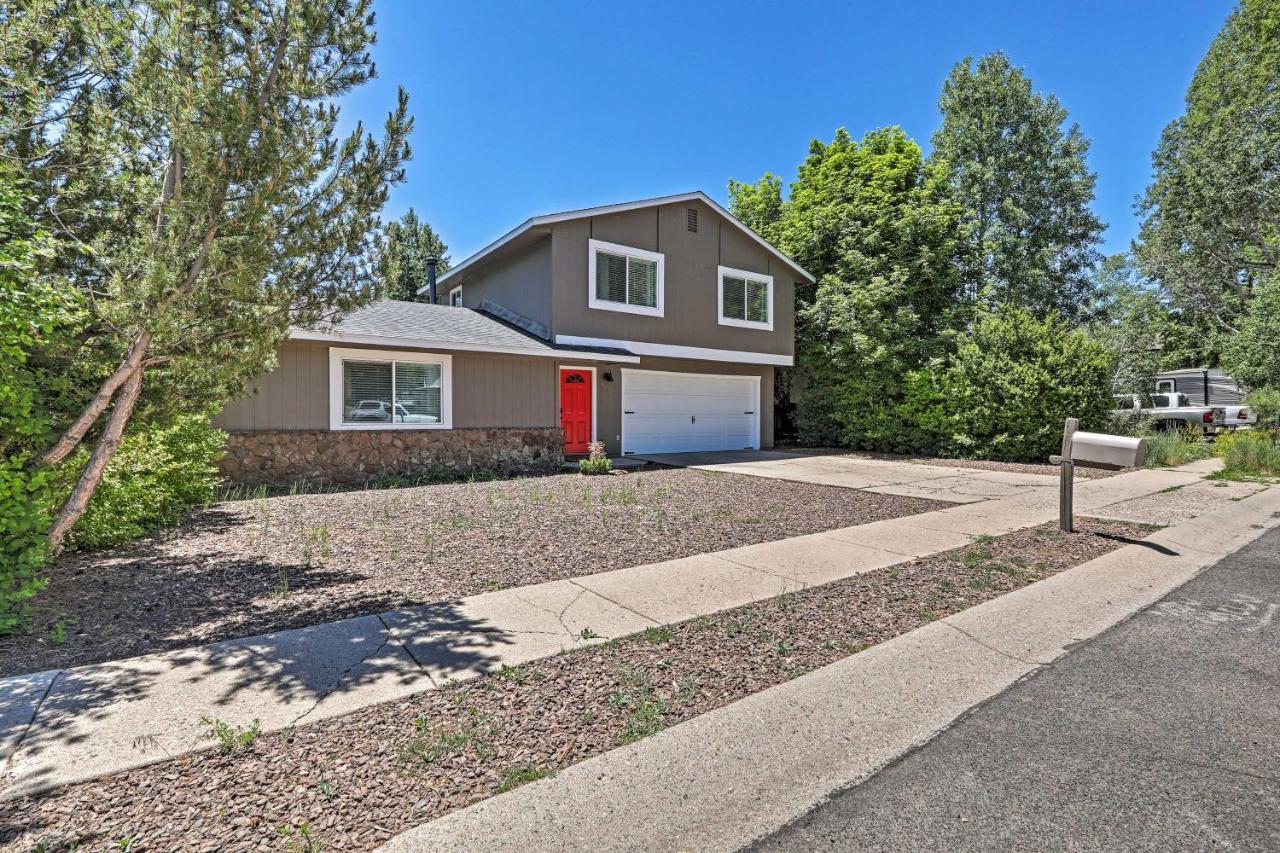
(366, 391)
(642, 282)
(611, 277)
(735, 299)
(369, 389)
(757, 301)
(417, 392)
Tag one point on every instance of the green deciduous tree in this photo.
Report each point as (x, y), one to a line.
(758, 205)
(1021, 176)
(1252, 353)
(1212, 227)
(402, 257)
(186, 154)
(874, 224)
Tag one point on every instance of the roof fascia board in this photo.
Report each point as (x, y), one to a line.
(389, 341)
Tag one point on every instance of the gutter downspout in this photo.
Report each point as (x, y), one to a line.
(431, 279)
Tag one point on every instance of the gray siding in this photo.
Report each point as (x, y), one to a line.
(521, 282)
(489, 391)
(691, 315)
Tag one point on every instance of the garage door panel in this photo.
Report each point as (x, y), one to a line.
(682, 412)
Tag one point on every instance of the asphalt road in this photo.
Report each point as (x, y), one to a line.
(1163, 733)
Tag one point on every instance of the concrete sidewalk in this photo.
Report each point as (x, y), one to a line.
(728, 777)
(63, 726)
(885, 476)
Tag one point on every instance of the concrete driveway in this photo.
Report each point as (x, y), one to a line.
(886, 476)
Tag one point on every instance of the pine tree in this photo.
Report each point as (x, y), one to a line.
(187, 156)
(402, 258)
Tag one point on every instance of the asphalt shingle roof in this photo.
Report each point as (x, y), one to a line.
(441, 325)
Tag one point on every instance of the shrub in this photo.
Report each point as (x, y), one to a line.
(1173, 447)
(1255, 453)
(597, 461)
(1264, 403)
(161, 470)
(1008, 388)
(32, 313)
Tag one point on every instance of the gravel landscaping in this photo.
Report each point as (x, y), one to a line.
(248, 567)
(352, 782)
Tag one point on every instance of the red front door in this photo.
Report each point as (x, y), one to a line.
(575, 409)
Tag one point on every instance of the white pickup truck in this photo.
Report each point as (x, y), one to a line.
(1168, 411)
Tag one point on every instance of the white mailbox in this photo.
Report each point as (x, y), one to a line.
(1091, 450)
(1096, 448)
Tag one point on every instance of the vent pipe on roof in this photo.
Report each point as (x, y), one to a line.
(431, 278)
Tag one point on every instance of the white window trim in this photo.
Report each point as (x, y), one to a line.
(457, 290)
(594, 246)
(337, 355)
(595, 395)
(721, 273)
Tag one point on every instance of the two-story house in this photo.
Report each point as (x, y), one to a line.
(654, 326)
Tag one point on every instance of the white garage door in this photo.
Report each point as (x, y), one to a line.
(683, 412)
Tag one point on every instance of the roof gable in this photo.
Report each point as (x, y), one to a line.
(552, 218)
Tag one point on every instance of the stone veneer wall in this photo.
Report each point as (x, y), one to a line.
(357, 456)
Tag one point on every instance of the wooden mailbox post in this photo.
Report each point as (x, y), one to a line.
(1091, 450)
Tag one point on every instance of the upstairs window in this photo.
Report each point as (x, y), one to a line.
(746, 299)
(455, 297)
(622, 278)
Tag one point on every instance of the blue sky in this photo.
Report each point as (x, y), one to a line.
(533, 107)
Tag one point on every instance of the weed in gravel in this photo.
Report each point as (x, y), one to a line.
(644, 719)
(230, 738)
(517, 776)
(432, 743)
(58, 634)
(621, 496)
(124, 844)
(326, 790)
(519, 674)
(588, 634)
(315, 545)
(784, 601)
(281, 589)
(782, 648)
(658, 636)
(301, 839)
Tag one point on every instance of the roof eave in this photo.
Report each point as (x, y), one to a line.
(394, 341)
(552, 218)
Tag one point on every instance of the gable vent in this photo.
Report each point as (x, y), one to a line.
(691, 218)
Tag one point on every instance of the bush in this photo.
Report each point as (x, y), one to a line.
(1173, 447)
(32, 311)
(1008, 389)
(597, 461)
(1252, 453)
(1264, 403)
(160, 471)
